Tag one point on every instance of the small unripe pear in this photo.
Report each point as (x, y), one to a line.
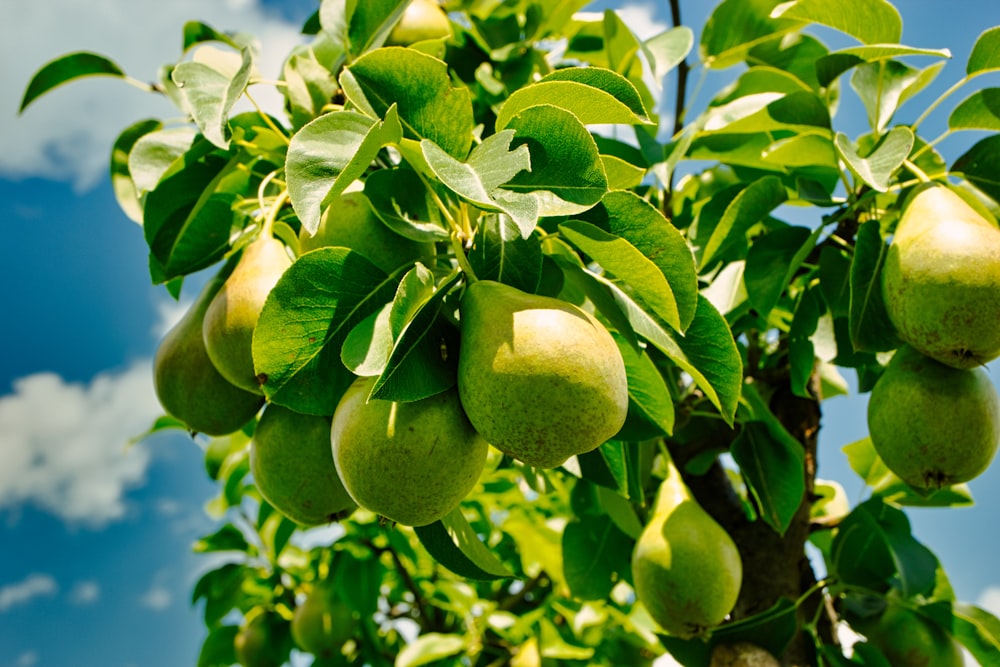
(255, 642)
(189, 386)
(410, 462)
(686, 569)
(940, 279)
(322, 623)
(233, 313)
(933, 425)
(350, 222)
(909, 639)
(541, 379)
(293, 467)
(422, 19)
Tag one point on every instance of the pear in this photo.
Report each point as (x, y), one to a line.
(686, 569)
(292, 465)
(741, 654)
(322, 623)
(541, 379)
(189, 386)
(410, 462)
(233, 313)
(909, 639)
(940, 279)
(255, 643)
(422, 19)
(350, 222)
(933, 425)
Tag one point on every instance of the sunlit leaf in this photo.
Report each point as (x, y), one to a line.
(869, 21)
(985, 55)
(211, 86)
(65, 69)
(878, 168)
(455, 545)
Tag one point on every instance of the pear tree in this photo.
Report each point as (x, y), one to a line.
(540, 339)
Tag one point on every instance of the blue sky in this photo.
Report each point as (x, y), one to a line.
(96, 537)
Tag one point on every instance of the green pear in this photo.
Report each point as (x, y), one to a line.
(410, 462)
(933, 425)
(940, 279)
(233, 313)
(187, 383)
(741, 654)
(322, 623)
(255, 643)
(350, 222)
(292, 465)
(686, 569)
(541, 379)
(909, 639)
(422, 19)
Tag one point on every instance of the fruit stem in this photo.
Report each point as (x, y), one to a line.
(917, 171)
(268, 225)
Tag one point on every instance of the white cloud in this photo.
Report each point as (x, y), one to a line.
(27, 659)
(156, 598)
(35, 585)
(989, 600)
(63, 445)
(85, 592)
(639, 17)
(68, 133)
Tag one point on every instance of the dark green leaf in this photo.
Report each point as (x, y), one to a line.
(771, 263)
(979, 631)
(329, 153)
(218, 649)
(800, 111)
(211, 87)
(869, 21)
(749, 207)
(196, 32)
(63, 70)
(122, 182)
(647, 390)
(980, 165)
(772, 630)
(500, 253)
(429, 107)
(227, 538)
(401, 200)
(454, 544)
(305, 320)
(871, 329)
(593, 550)
(773, 470)
(309, 88)
(835, 279)
(881, 164)
(371, 23)
(985, 55)
(221, 590)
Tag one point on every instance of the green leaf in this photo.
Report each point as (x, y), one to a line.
(592, 94)
(869, 21)
(328, 154)
(979, 111)
(593, 552)
(500, 253)
(219, 649)
(773, 469)
(429, 648)
(126, 192)
(832, 65)
(371, 23)
(154, 153)
(736, 26)
(871, 329)
(401, 200)
(980, 165)
(429, 107)
(874, 548)
(221, 589)
(800, 111)
(629, 265)
(211, 86)
(878, 168)
(771, 263)
(880, 86)
(647, 390)
(979, 631)
(196, 32)
(454, 544)
(478, 180)
(424, 357)
(227, 538)
(865, 461)
(567, 175)
(749, 207)
(65, 69)
(305, 320)
(309, 87)
(985, 55)
(668, 49)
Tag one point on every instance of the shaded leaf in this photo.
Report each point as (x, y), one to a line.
(454, 544)
(126, 192)
(772, 261)
(750, 206)
(401, 200)
(227, 538)
(500, 253)
(647, 390)
(65, 69)
(593, 550)
(980, 165)
(871, 329)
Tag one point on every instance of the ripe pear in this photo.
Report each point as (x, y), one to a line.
(410, 462)
(940, 279)
(233, 313)
(933, 425)
(350, 222)
(909, 639)
(292, 465)
(686, 569)
(322, 623)
(541, 379)
(187, 383)
(422, 19)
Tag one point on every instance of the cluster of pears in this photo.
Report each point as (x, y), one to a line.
(934, 415)
(686, 568)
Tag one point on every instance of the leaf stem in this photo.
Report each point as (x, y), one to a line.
(267, 119)
(917, 171)
(945, 95)
(463, 261)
